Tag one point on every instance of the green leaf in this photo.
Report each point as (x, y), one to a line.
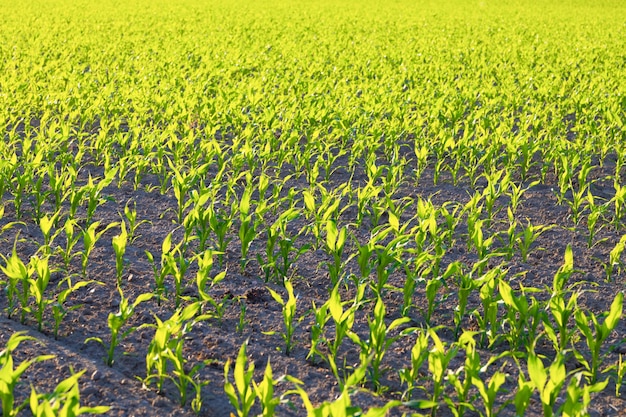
(394, 222)
(537, 372)
(615, 312)
(309, 200)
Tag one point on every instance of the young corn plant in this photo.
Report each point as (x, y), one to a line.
(615, 263)
(289, 314)
(489, 393)
(618, 371)
(470, 370)
(163, 269)
(38, 287)
(482, 245)
(241, 395)
(130, 217)
(547, 382)
(76, 196)
(265, 391)
(488, 322)
(177, 266)
(166, 348)
(119, 243)
(71, 239)
(576, 204)
(18, 284)
(10, 376)
(515, 193)
(220, 223)
(579, 396)
(411, 376)
(438, 361)
(46, 225)
(320, 214)
(181, 184)
(373, 348)
(203, 276)
(204, 220)
(335, 241)
(64, 401)
(387, 258)
(366, 196)
(522, 315)
(280, 249)
(247, 226)
(342, 406)
(364, 261)
(421, 154)
(333, 309)
(595, 335)
(497, 183)
(562, 312)
(118, 320)
(619, 204)
(433, 285)
(528, 236)
(565, 173)
(94, 191)
(452, 219)
(415, 271)
(466, 286)
(521, 401)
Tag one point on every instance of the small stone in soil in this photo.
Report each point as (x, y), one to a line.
(160, 402)
(89, 390)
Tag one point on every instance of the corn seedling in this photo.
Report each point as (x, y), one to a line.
(247, 226)
(615, 259)
(241, 395)
(488, 321)
(119, 243)
(38, 287)
(166, 347)
(17, 285)
(373, 348)
(578, 399)
(117, 320)
(470, 371)
(64, 401)
(547, 382)
(411, 376)
(289, 314)
(438, 360)
(596, 334)
(71, 239)
(335, 241)
(9, 376)
(527, 237)
(130, 215)
(203, 276)
(522, 315)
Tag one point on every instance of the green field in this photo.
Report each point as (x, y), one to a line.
(332, 208)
